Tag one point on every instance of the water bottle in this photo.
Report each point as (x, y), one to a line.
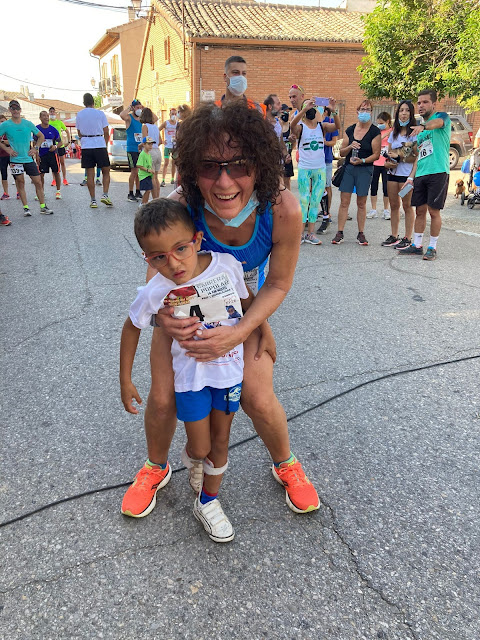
(354, 153)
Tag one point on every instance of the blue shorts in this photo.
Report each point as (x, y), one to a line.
(197, 405)
(146, 184)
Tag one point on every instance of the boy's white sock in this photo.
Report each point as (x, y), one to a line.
(433, 242)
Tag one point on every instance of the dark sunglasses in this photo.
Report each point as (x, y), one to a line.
(212, 169)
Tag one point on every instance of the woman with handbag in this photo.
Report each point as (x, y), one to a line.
(361, 147)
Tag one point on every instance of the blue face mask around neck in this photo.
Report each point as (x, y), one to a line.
(403, 123)
(251, 205)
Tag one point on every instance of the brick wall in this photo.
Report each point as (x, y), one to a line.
(169, 88)
(328, 72)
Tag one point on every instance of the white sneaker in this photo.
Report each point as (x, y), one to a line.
(372, 213)
(215, 522)
(302, 239)
(386, 214)
(195, 471)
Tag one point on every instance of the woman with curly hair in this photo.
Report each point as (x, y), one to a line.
(229, 161)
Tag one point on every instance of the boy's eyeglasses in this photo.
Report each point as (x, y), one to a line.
(211, 169)
(182, 252)
(15, 108)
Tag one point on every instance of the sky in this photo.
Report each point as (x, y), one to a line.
(59, 66)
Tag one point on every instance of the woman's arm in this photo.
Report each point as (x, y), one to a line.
(376, 148)
(347, 146)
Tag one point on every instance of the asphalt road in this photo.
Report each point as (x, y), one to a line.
(381, 352)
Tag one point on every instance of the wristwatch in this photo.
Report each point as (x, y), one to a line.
(363, 160)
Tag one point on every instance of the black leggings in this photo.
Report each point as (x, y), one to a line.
(377, 172)
(4, 162)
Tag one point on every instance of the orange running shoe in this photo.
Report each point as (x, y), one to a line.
(141, 496)
(300, 493)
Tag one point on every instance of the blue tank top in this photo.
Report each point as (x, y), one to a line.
(134, 134)
(253, 255)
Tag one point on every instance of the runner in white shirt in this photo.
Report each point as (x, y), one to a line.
(210, 286)
(92, 127)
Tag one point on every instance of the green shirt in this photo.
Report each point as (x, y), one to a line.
(59, 126)
(19, 135)
(144, 160)
(434, 147)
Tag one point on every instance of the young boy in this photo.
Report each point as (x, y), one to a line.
(208, 285)
(145, 169)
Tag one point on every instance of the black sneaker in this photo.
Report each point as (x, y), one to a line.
(412, 250)
(391, 241)
(324, 226)
(403, 244)
(46, 211)
(361, 239)
(26, 212)
(338, 239)
(430, 254)
(138, 195)
(131, 198)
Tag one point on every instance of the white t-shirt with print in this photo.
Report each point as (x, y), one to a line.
(403, 169)
(214, 297)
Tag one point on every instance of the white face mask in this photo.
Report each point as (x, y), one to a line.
(52, 117)
(138, 112)
(237, 85)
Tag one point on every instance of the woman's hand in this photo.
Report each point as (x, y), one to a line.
(177, 328)
(332, 104)
(356, 161)
(128, 392)
(266, 342)
(355, 145)
(213, 344)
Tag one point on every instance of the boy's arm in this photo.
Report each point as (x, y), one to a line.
(139, 166)
(128, 348)
(246, 302)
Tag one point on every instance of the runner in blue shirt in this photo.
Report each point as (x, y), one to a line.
(48, 151)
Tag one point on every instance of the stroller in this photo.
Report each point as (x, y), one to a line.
(472, 167)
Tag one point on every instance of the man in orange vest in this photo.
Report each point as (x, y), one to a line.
(235, 77)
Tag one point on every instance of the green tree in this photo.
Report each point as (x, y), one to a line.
(97, 101)
(415, 44)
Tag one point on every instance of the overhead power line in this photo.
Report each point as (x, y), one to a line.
(44, 86)
(98, 5)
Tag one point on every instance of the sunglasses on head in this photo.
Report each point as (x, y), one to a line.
(212, 169)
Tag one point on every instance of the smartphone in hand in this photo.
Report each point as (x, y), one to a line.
(322, 102)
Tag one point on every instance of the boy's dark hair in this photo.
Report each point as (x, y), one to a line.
(429, 92)
(51, 109)
(88, 100)
(231, 59)
(158, 215)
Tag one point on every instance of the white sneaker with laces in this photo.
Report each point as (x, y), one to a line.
(372, 213)
(214, 520)
(386, 214)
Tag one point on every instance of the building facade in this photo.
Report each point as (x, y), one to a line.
(118, 52)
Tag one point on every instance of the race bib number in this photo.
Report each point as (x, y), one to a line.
(138, 137)
(425, 149)
(211, 300)
(251, 279)
(17, 169)
(46, 144)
